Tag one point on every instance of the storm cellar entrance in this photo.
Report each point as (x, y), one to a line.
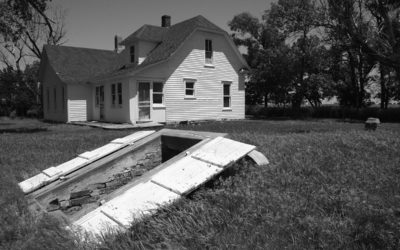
(86, 189)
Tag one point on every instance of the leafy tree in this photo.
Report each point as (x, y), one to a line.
(18, 89)
(25, 25)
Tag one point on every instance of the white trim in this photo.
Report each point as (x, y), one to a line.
(189, 97)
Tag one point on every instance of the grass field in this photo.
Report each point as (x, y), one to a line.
(329, 185)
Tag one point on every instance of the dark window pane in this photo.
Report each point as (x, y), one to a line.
(227, 102)
(226, 89)
(157, 98)
(189, 92)
(119, 88)
(132, 53)
(208, 54)
(113, 89)
(189, 85)
(158, 87)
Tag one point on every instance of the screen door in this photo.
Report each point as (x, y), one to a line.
(144, 101)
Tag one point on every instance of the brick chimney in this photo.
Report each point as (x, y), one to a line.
(117, 40)
(166, 21)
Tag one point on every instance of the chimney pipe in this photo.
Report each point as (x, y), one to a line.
(117, 40)
(166, 21)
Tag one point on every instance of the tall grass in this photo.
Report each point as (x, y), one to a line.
(337, 189)
(329, 185)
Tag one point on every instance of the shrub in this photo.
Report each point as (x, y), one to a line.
(333, 112)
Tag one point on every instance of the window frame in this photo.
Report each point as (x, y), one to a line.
(48, 99)
(55, 98)
(113, 94)
(229, 95)
(158, 93)
(189, 80)
(97, 96)
(208, 52)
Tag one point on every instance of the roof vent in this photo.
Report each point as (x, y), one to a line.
(166, 21)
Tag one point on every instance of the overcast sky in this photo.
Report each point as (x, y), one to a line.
(93, 23)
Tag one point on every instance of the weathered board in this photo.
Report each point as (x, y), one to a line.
(141, 200)
(222, 151)
(258, 157)
(53, 173)
(186, 175)
(96, 223)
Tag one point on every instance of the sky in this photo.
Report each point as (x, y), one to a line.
(94, 23)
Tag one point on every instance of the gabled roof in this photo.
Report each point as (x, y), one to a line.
(76, 65)
(148, 33)
(176, 35)
(173, 38)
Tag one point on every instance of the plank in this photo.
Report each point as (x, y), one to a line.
(185, 175)
(71, 165)
(138, 201)
(133, 137)
(258, 157)
(96, 223)
(222, 151)
(51, 171)
(34, 183)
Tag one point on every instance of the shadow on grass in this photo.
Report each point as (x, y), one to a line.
(23, 130)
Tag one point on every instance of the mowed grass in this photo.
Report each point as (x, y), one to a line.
(329, 185)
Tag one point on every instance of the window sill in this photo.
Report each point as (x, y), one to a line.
(190, 98)
(207, 65)
(158, 106)
(227, 109)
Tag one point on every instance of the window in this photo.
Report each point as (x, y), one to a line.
(48, 99)
(113, 97)
(209, 52)
(97, 96)
(132, 53)
(158, 94)
(227, 95)
(55, 99)
(116, 92)
(63, 98)
(189, 88)
(119, 91)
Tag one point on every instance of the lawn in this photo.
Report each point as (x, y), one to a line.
(329, 185)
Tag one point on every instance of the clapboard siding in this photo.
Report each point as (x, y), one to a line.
(50, 83)
(188, 62)
(77, 110)
(79, 98)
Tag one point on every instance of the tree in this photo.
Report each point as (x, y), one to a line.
(25, 25)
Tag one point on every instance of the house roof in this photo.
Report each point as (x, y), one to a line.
(172, 38)
(148, 33)
(76, 65)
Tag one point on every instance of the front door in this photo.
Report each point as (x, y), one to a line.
(144, 101)
(101, 102)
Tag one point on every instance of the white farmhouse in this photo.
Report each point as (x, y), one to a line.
(187, 71)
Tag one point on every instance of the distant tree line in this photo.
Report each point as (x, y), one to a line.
(308, 50)
(25, 26)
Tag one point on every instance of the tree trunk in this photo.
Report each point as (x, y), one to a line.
(266, 99)
(383, 87)
(354, 84)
